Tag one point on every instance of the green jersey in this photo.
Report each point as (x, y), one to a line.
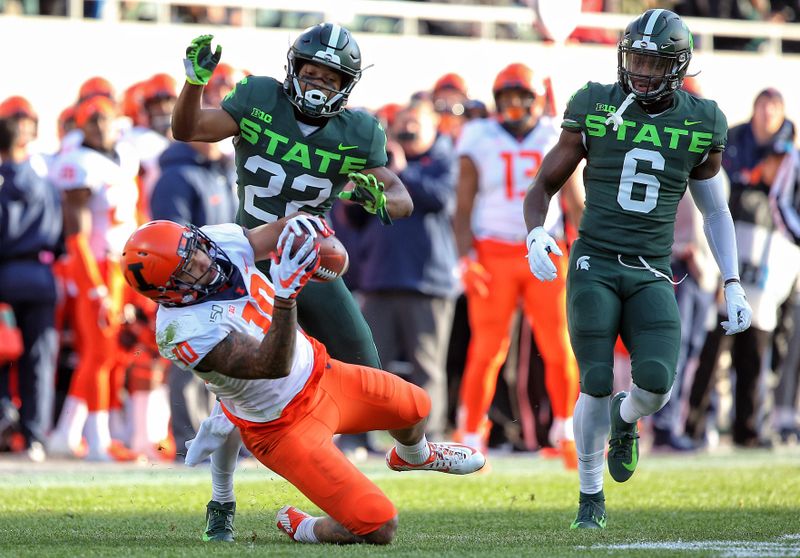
(279, 170)
(635, 176)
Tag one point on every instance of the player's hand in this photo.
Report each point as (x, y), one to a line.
(369, 193)
(739, 312)
(474, 277)
(102, 305)
(200, 61)
(305, 224)
(290, 272)
(540, 246)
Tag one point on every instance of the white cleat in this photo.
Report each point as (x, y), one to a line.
(456, 459)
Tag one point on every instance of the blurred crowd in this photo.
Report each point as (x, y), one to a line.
(81, 375)
(778, 11)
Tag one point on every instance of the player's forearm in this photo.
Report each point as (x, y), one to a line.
(276, 352)
(398, 200)
(186, 113)
(462, 230)
(709, 196)
(535, 205)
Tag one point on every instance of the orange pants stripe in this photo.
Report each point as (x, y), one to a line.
(544, 306)
(299, 446)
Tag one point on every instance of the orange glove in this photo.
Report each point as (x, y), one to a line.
(474, 277)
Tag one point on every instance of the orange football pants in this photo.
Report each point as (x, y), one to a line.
(544, 306)
(340, 398)
(98, 345)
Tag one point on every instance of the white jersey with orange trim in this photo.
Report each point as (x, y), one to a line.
(186, 334)
(506, 169)
(112, 182)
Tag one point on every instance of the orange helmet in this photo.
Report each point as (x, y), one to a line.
(132, 100)
(17, 106)
(160, 86)
(95, 87)
(451, 81)
(158, 251)
(516, 76)
(92, 106)
(66, 121)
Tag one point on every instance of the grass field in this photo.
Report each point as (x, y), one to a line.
(729, 504)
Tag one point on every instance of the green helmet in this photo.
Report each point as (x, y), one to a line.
(653, 55)
(333, 46)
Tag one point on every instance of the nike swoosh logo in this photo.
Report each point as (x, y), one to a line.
(346, 147)
(634, 457)
(691, 122)
(288, 282)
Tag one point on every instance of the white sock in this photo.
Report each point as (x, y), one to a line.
(416, 454)
(305, 531)
(118, 426)
(139, 442)
(98, 436)
(590, 472)
(223, 464)
(641, 403)
(71, 421)
(212, 434)
(473, 440)
(569, 429)
(591, 424)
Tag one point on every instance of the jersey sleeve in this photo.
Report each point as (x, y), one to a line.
(719, 138)
(377, 156)
(470, 134)
(236, 102)
(577, 106)
(68, 173)
(185, 339)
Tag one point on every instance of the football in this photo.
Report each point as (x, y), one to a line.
(333, 257)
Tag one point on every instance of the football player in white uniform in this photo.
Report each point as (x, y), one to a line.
(236, 328)
(498, 158)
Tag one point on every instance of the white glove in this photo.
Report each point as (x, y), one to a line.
(305, 224)
(540, 246)
(290, 273)
(739, 312)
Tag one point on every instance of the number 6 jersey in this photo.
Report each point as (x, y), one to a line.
(635, 176)
(186, 334)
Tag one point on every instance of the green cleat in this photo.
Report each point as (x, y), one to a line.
(591, 512)
(219, 521)
(623, 444)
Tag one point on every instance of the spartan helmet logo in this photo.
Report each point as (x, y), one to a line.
(582, 263)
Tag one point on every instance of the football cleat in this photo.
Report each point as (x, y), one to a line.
(455, 459)
(289, 519)
(591, 512)
(623, 444)
(219, 521)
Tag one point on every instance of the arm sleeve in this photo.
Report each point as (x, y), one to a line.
(710, 196)
(188, 338)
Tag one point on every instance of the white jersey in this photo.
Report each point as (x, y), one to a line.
(149, 145)
(186, 334)
(114, 193)
(506, 169)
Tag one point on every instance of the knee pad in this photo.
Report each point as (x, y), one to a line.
(598, 381)
(654, 376)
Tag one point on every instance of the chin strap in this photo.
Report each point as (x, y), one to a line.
(616, 116)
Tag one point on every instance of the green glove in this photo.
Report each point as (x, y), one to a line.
(368, 193)
(199, 61)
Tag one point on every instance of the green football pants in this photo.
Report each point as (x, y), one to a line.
(606, 299)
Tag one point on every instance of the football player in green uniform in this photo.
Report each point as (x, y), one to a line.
(643, 140)
(296, 147)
